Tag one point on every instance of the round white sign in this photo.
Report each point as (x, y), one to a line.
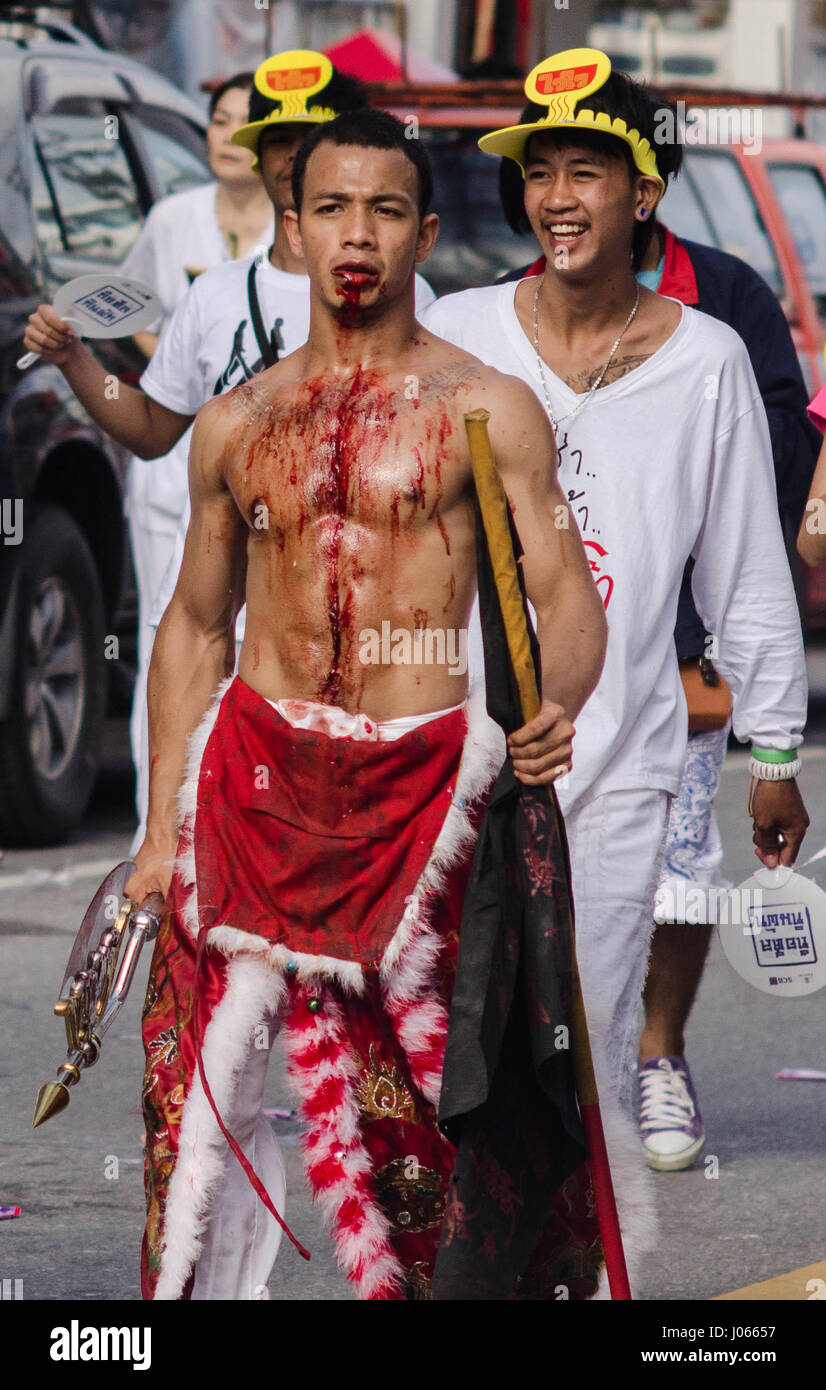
(103, 306)
(775, 936)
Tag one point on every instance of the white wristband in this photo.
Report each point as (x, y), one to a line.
(774, 772)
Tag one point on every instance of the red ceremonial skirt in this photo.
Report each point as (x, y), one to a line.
(335, 869)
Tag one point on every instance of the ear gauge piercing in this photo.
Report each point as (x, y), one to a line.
(642, 213)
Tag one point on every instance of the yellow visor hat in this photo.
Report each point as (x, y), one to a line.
(559, 83)
(290, 78)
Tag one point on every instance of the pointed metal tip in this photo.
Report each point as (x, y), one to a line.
(52, 1097)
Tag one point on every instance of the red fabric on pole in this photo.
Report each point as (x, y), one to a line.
(609, 1227)
(375, 55)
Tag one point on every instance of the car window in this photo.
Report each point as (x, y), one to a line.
(84, 195)
(683, 212)
(475, 244)
(734, 213)
(802, 195)
(50, 83)
(176, 151)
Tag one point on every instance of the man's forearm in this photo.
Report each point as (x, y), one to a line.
(129, 416)
(572, 642)
(186, 669)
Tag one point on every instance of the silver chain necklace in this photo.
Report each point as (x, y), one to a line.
(554, 422)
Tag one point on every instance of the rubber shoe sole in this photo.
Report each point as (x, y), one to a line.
(674, 1163)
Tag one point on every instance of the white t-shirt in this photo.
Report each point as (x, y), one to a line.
(180, 232)
(671, 460)
(209, 346)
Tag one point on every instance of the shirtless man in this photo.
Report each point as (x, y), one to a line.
(334, 492)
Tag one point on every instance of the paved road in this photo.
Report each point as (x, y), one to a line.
(78, 1179)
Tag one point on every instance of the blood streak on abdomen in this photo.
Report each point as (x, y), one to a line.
(445, 429)
(420, 476)
(395, 525)
(442, 528)
(348, 442)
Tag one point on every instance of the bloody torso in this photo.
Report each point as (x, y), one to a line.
(355, 493)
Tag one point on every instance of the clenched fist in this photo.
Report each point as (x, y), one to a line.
(780, 821)
(541, 749)
(153, 871)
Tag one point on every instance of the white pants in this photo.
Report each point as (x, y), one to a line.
(617, 843)
(242, 1239)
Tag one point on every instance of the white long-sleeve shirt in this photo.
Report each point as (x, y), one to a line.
(671, 460)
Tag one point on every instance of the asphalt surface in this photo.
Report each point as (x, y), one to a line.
(78, 1179)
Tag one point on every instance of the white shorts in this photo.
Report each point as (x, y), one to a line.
(617, 842)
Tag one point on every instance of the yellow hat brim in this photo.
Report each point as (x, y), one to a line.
(248, 135)
(510, 141)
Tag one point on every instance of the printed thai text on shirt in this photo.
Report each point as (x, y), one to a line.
(574, 481)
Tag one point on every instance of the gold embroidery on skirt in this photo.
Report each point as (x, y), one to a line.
(382, 1094)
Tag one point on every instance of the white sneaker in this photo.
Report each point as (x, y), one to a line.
(670, 1121)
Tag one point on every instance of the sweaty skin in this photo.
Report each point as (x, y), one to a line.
(358, 513)
(334, 492)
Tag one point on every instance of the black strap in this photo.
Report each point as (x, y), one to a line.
(265, 345)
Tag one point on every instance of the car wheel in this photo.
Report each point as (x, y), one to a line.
(49, 741)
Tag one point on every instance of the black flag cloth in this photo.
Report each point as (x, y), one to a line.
(520, 1219)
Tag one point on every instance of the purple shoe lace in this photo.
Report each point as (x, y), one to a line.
(668, 1100)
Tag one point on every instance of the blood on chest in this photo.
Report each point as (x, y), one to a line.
(348, 455)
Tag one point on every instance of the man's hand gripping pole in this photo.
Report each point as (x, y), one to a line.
(493, 506)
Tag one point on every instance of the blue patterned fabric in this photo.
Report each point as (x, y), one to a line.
(694, 850)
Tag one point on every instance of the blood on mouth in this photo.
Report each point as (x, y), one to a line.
(353, 281)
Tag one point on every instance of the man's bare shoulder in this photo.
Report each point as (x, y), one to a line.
(440, 352)
(212, 424)
(246, 400)
(444, 361)
(506, 392)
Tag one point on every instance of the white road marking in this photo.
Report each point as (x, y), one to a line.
(57, 878)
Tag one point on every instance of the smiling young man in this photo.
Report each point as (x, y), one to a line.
(663, 454)
(329, 811)
(729, 289)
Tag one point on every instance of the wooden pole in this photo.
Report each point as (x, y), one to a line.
(494, 509)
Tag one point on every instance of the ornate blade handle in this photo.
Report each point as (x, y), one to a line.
(93, 995)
